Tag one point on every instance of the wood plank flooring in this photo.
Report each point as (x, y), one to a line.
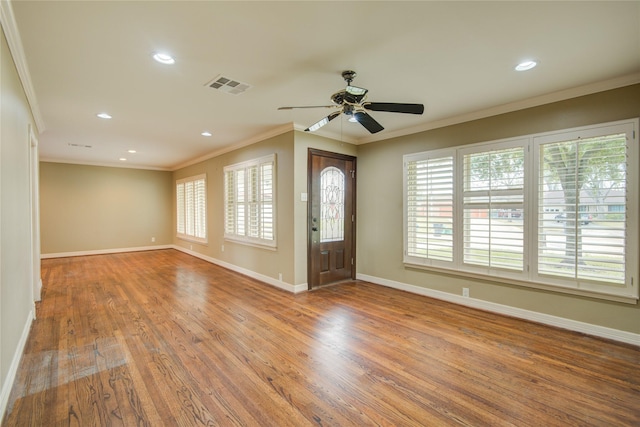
(161, 338)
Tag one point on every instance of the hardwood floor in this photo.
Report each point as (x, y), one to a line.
(162, 338)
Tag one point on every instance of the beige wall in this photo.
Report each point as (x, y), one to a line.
(380, 216)
(290, 258)
(262, 261)
(16, 265)
(89, 208)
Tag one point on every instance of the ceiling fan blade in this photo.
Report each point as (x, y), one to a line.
(314, 127)
(392, 107)
(368, 122)
(308, 106)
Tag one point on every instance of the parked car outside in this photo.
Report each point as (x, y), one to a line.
(585, 218)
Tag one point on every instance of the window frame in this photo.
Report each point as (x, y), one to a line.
(257, 205)
(530, 277)
(198, 216)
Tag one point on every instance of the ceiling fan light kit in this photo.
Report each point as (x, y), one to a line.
(351, 102)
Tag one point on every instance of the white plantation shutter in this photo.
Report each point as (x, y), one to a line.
(240, 203)
(200, 203)
(191, 202)
(229, 202)
(267, 199)
(250, 201)
(429, 207)
(556, 210)
(189, 208)
(493, 208)
(253, 202)
(180, 217)
(580, 238)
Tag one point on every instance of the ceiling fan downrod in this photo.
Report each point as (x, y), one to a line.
(348, 76)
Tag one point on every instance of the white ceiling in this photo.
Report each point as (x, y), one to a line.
(457, 58)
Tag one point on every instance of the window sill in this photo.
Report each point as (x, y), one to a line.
(269, 247)
(628, 299)
(192, 239)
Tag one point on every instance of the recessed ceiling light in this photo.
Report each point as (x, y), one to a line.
(164, 58)
(103, 115)
(131, 151)
(123, 159)
(206, 133)
(526, 65)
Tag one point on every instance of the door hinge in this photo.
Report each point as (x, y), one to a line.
(353, 173)
(353, 218)
(351, 261)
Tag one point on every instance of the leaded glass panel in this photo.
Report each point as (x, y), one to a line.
(332, 182)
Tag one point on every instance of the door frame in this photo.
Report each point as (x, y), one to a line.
(316, 152)
(34, 208)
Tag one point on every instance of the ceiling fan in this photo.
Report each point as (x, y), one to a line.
(351, 102)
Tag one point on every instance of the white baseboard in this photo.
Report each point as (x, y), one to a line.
(105, 251)
(261, 277)
(37, 293)
(547, 319)
(15, 363)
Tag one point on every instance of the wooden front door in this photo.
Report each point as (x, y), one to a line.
(331, 221)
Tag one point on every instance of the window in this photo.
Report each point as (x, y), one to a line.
(493, 202)
(191, 202)
(429, 206)
(547, 210)
(582, 173)
(249, 200)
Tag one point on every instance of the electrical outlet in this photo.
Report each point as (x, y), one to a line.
(280, 277)
(153, 240)
(222, 248)
(465, 292)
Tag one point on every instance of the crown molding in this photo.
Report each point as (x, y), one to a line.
(561, 95)
(10, 28)
(279, 130)
(103, 164)
(337, 136)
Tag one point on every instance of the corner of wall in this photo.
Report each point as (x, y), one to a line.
(15, 362)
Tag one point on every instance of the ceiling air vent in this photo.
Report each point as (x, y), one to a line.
(225, 84)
